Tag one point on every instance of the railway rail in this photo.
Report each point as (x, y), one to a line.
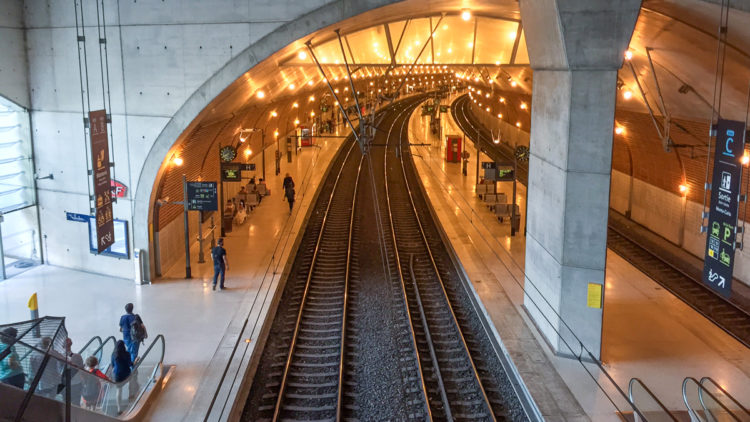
(684, 284)
(326, 357)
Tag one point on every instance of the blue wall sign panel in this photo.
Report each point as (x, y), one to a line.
(718, 264)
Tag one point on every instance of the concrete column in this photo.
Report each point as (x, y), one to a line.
(575, 49)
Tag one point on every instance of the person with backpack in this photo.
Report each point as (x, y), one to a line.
(289, 191)
(221, 263)
(133, 331)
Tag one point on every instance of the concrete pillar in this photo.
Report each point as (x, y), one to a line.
(575, 48)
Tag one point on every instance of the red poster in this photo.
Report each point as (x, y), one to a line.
(105, 229)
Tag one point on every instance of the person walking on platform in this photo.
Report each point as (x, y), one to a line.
(221, 263)
(289, 191)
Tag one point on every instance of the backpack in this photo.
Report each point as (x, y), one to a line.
(137, 330)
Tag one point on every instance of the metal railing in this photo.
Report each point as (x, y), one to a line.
(50, 375)
(727, 399)
(646, 406)
(702, 405)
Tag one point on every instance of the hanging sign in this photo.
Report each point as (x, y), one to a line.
(105, 230)
(202, 196)
(718, 264)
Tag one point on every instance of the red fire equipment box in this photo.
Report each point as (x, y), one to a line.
(453, 148)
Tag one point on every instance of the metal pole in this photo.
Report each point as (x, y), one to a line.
(476, 144)
(513, 207)
(213, 232)
(187, 227)
(263, 150)
(67, 390)
(2, 251)
(201, 258)
(221, 207)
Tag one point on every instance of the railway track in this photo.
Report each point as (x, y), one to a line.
(687, 286)
(449, 357)
(389, 335)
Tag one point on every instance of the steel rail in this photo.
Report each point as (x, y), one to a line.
(428, 409)
(440, 278)
(285, 374)
(340, 398)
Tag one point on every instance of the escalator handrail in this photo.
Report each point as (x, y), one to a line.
(701, 391)
(650, 393)
(100, 348)
(710, 380)
(80, 351)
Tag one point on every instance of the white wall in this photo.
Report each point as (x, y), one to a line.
(13, 66)
(159, 54)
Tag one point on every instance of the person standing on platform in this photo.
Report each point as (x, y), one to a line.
(465, 156)
(221, 263)
(289, 191)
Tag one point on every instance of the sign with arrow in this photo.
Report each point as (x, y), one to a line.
(718, 263)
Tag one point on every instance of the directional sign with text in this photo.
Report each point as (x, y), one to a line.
(202, 196)
(718, 264)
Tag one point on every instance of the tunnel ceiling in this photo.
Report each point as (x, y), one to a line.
(490, 48)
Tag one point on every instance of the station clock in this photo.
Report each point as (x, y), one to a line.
(522, 153)
(228, 153)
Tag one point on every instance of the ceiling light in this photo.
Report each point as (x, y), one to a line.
(274, 114)
(628, 55)
(518, 125)
(177, 161)
(627, 94)
(248, 152)
(523, 106)
(683, 188)
(513, 84)
(500, 115)
(745, 159)
(465, 14)
(302, 55)
(295, 105)
(260, 94)
(619, 130)
(296, 121)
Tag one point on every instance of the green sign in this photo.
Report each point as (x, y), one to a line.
(443, 109)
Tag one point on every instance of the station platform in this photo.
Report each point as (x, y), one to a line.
(201, 326)
(647, 332)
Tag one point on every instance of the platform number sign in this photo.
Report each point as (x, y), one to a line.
(718, 263)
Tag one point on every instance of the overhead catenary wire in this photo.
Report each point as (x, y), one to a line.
(722, 30)
(85, 98)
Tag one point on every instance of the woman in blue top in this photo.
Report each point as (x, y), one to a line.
(11, 372)
(121, 368)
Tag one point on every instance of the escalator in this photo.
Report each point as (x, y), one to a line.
(49, 395)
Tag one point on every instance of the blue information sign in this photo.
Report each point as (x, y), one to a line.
(718, 264)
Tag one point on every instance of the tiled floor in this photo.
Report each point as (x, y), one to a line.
(647, 332)
(192, 317)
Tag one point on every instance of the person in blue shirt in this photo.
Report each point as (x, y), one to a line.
(122, 367)
(125, 322)
(11, 372)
